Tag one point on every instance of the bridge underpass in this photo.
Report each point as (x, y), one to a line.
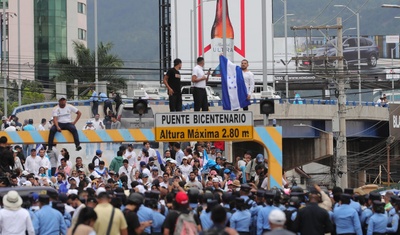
(367, 126)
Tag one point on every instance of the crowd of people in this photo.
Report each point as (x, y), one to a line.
(185, 190)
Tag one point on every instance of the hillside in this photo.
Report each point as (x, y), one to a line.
(132, 25)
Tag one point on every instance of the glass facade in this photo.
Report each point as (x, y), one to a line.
(50, 35)
(1, 4)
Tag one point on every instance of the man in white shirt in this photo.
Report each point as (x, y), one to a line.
(42, 125)
(178, 153)
(130, 155)
(127, 170)
(11, 127)
(44, 161)
(248, 80)
(152, 152)
(98, 125)
(199, 80)
(32, 162)
(63, 121)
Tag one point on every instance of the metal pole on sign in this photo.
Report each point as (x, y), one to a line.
(195, 28)
(19, 54)
(96, 56)
(224, 26)
(202, 27)
(176, 29)
(4, 57)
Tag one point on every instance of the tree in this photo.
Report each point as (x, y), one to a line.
(83, 67)
(31, 92)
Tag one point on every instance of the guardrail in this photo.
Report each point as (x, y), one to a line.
(189, 106)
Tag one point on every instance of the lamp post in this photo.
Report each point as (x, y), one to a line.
(348, 30)
(286, 55)
(273, 45)
(358, 49)
(390, 6)
(391, 55)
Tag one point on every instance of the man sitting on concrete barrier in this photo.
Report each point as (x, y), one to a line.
(62, 121)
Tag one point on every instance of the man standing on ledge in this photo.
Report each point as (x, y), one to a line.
(248, 80)
(172, 81)
(199, 79)
(62, 121)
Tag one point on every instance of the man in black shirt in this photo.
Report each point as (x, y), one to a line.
(6, 157)
(172, 81)
(312, 219)
(133, 203)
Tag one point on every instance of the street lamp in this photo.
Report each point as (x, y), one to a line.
(336, 152)
(390, 6)
(348, 30)
(96, 53)
(273, 45)
(358, 48)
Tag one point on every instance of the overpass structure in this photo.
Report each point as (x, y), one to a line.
(314, 141)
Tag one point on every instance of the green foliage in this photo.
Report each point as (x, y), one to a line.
(83, 67)
(31, 92)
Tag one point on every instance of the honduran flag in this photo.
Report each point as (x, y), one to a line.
(234, 91)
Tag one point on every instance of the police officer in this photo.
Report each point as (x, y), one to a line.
(377, 222)
(241, 219)
(393, 227)
(367, 213)
(193, 199)
(244, 193)
(262, 217)
(291, 212)
(226, 203)
(205, 216)
(346, 217)
(260, 203)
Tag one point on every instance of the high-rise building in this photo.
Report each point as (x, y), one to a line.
(39, 32)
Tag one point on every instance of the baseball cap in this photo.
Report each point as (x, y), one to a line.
(3, 118)
(62, 97)
(182, 198)
(151, 159)
(154, 169)
(145, 175)
(277, 217)
(130, 145)
(98, 151)
(173, 161)
(260, 158)
(215, 180)
(185, 158)
(142, 163)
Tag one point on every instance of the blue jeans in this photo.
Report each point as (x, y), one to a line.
(64, 126)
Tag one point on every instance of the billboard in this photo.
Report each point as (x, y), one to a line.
(197, 31)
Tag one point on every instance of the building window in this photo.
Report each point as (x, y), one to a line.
(82, 34)
(81, 8)
(1, 4)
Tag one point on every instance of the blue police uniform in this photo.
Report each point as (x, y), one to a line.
(377, 224)
(145, 214)
(394, 224)
(347, 220)
(262, 219)
(391, 213)
(365, 215)
(205, 219)
(158, 220)
(254, 215)
(356, 206)
(228, 213)
(241, 221)
(49, 221)
(250, 202)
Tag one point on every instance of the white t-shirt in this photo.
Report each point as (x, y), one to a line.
(186, 169)
(64, 114)
(131, 156)
(10, 128)
(249, 81)
(41, 128)
(98, 125)
(199, 73)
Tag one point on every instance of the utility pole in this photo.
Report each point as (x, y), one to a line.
(342, 140)
(4, 58)
(341, 150)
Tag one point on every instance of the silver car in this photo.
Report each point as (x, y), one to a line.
(130, 120)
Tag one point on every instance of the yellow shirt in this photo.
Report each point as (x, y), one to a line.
(103, 211)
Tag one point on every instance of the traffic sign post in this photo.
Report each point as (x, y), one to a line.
(204, 126)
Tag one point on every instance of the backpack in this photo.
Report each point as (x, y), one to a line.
(94, 159)
(185, 224)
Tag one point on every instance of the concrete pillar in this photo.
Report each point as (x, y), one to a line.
(102, 87)
(76, 89)
(61, 89)
(131, 86)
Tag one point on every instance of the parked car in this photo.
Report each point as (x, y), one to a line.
(369, 53)
(187, 96)
(270, 92)
(131, 120)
